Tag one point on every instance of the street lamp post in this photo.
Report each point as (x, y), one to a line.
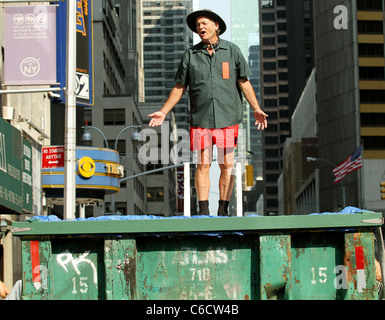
(87, 137)
(70, 117)
(134, 137)
(311, 159)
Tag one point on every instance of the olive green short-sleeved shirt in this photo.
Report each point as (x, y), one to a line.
(215, 97)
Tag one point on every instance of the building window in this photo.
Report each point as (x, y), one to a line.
(281, 26)
(271, 140)
(284, 113)
(155, 166)
(371, 49)
(272, 190)
(371, 142)
(155, 194)
(282, 39)
(271, 153)
(269, 78)
(372, 96)
(268, 41)
(269, 66)
(273, 115)
(268, 28)
(282, 64)
(373, 119)
(272, 165)
(283, 76)
(269, 54)
(270, 90)
(272, 178)
(114, 117)
(369, 5)
(372, 73)
(270, 103)
(121, 146)
(284, 127)
(282, 51)
(281, 14)
(268, 16)
(373, 27)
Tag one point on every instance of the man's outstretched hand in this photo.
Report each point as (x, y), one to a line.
(157, 118)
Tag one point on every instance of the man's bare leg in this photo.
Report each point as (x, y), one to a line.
(226, 179)
(202, 179)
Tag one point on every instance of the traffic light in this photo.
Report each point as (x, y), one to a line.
(249, 175)
(382, 184)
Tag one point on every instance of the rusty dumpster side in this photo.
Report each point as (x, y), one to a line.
(327, 257)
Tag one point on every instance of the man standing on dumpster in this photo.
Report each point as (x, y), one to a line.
(217, 74)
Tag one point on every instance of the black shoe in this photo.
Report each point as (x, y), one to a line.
(204, 208)
(223, 207)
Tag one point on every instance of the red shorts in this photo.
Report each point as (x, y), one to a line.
(201, 138)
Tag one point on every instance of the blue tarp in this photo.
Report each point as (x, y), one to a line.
(347, 210)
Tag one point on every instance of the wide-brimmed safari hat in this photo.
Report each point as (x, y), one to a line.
(192, 17)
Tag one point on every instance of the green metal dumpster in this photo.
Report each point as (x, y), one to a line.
(320, 256)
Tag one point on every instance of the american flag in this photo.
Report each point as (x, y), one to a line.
(350, 164)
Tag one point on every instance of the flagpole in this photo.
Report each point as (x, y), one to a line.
(352, 163)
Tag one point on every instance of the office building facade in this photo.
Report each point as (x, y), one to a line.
(275, 95)
(351, 98)
(287, 61)
(165, 38)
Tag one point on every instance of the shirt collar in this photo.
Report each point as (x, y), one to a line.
(222, 44)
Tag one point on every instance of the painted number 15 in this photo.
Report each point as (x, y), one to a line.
(322, 277)
(82, 285)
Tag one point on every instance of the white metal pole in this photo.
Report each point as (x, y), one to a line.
(238, 172)
(70, 117)
(82, 210)
(186, 186)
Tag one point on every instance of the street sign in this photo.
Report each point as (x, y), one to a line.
(52, 157)
(84, 47)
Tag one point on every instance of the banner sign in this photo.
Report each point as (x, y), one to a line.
(84, 51)
(11, 194)
(30, 45)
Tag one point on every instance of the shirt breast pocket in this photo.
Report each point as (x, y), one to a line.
(227, 70)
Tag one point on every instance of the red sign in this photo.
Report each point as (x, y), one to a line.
(52, 157)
